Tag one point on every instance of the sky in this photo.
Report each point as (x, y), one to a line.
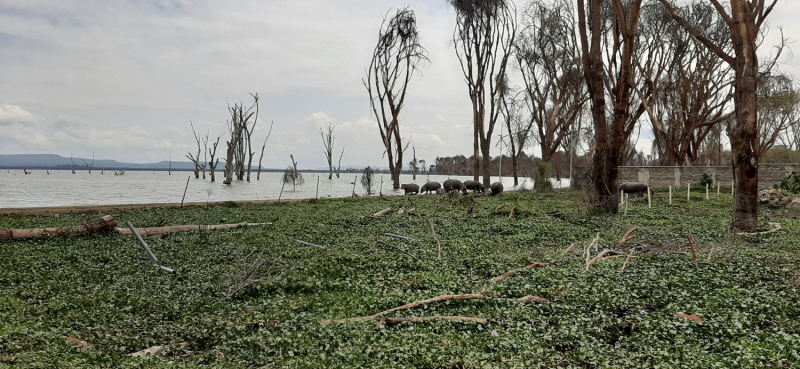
(123, 79)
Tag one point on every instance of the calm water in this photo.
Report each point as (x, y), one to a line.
(62, 188)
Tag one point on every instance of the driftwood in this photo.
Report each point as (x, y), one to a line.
(97, 225)
(157, 231)
(393, 321)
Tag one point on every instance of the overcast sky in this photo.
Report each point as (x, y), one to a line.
(123, 79)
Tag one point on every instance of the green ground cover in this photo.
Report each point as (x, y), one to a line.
(102, 290)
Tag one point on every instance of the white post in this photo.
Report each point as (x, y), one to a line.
(649, 201)
(717, 189)
(621, 197)
(706, 191)
(688, 191)
(670, 195)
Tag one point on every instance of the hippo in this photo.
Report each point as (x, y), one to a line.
(440, 191)
(410, 188)
(451, 185)
(475, 186)
(634, 188)
(431, 187)
(497, 188)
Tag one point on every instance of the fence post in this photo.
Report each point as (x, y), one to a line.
(670, 195)
(688, 191)
(649, 201)
(706, 191)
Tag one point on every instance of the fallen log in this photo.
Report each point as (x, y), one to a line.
(382, 212)
(420, 319)
(97, 225)
(157, 231)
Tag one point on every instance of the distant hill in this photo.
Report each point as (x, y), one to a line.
(53, 161)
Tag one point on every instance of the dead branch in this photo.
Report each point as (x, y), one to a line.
(531, 298)
(157, 231)
(510, 215)
(509, 273)
(97, 225)
(478, 296)
(399, 236)
(382, 212)
(569, 249)
(393, 321)
(627, 237)
(691, 243)
(626, 261)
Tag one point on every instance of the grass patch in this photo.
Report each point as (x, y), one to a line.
(101, 289)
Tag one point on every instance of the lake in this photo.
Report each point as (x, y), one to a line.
(62, 188)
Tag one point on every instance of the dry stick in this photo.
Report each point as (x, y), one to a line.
(588, 250)
(281, 194)
(709, 254)
(509, 273)
(438, 258)
(512, 213)
(184, 190)
(310, 244)
(691, 243)
(569, 249)
(626, 261)
(146, 248)
(382, 212)
(399, 236)
(393, 321)
(474, 296)
(626, 237)
(397, 248)
(157, 231)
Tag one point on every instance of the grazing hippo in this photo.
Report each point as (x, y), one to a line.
(451, 185)
(497, 188)
(634, 188)
(440, 191)
(431, 187)
(475, 186)
(410, 188)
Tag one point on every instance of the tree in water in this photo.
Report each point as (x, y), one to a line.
(395, 59)
(368, 180)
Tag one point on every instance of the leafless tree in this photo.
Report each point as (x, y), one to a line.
(413, 165)
(291, 175)
(339, 167)
(72, 167)
(327, 143)
(195, 159)
(396, 57)
(239, 147)
(212, 165)
(258, 176)
(744, 19)
(483, 41)
(778, 109)
(608, 38)
(249, 132)
(519, 127)
(549, 59)
(89, 166)
(691, 87)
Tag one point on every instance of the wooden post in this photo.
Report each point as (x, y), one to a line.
(670, 195)
(621, 197)
(717, 189)
(706, 191)
(688, 191)
(184, 190)
(317, 188)
(649, 200)
(626, 204)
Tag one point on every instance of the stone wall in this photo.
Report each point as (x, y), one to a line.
(769, 174)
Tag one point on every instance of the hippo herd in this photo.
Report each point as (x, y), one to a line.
(452, 185)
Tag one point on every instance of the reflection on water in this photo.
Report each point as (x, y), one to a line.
(62, 188)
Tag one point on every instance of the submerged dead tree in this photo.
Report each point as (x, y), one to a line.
(483, 40)
(327, 143)
(744, 20)
(195, 159)
(291, 175)
(368, 180)
(212, 165)
(258, 176)
(88, 166)
(396, 57)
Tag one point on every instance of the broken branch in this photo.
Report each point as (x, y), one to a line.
(691, 243)
(393, 321)
(157, 231)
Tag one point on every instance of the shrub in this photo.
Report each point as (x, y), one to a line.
(791, 183)
(701, 186)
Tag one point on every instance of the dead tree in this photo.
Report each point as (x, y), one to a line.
(413, 165)
(72, 166)
(548, 56)
(395, 58)
(483, 41)
(212, 165)
(249, 133)
(339, 167)
(368, 180)
(195, 159)
(613, 32)
(258, 176)
(327, 143)
(89, 166)
(239, 145)
(291, 175)
(744, 21)
(169, 170)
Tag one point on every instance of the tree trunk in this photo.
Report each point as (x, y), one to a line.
(514, 169)
(487, 180)
(478, 125)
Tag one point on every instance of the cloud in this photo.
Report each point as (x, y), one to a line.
(14, 114)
